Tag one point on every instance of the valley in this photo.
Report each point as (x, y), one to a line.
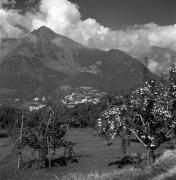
(66, 108)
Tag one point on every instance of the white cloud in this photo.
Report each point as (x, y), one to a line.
(153, 65)
(64, 17)
(59, 15)
(9, 19)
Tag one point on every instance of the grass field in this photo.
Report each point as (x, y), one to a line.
(93, 155)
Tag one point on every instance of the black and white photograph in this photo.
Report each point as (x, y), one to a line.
(87, 89)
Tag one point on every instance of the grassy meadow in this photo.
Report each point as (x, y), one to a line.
(95, 158)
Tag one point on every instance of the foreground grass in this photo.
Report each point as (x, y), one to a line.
(163, 169)
(95, 160)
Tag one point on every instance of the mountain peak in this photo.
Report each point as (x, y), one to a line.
(44, 31)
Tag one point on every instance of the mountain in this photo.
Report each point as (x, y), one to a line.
(159, 59)
(42, 62)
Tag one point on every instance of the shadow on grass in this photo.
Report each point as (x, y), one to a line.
(170, 145)
(4, 135)
(80, 156)
(136, 161)
(134, 140)
(61, 161)
(126, 160)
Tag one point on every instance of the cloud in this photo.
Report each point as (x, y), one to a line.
(64, 17)
(10, 3)
(153, 65)
(134, 40)
(160, 68)
(9, 19)
(59, 15)
(12, 23)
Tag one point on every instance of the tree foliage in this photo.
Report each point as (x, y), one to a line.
(43, 137)
(8, 118)
(148, 113)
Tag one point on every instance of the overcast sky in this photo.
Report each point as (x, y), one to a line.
(133, 26)
(120, 13)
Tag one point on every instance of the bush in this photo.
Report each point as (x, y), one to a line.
(8, 118)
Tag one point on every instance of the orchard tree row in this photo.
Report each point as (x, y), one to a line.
(43, 136)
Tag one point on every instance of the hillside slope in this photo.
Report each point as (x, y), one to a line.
(42, 61)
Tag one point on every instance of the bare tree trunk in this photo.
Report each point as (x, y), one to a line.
(43, 153)
(37, 160)
(49, 158)
(19, 158)
(20, 140)
(150, 156)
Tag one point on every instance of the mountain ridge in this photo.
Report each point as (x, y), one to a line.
(41, 62)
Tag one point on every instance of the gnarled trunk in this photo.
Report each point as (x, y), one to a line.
(19, 158)
(150, 156)
(43, 152)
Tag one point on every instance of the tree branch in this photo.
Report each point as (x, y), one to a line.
(167, 135)
(138, 138)
(141, 119)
